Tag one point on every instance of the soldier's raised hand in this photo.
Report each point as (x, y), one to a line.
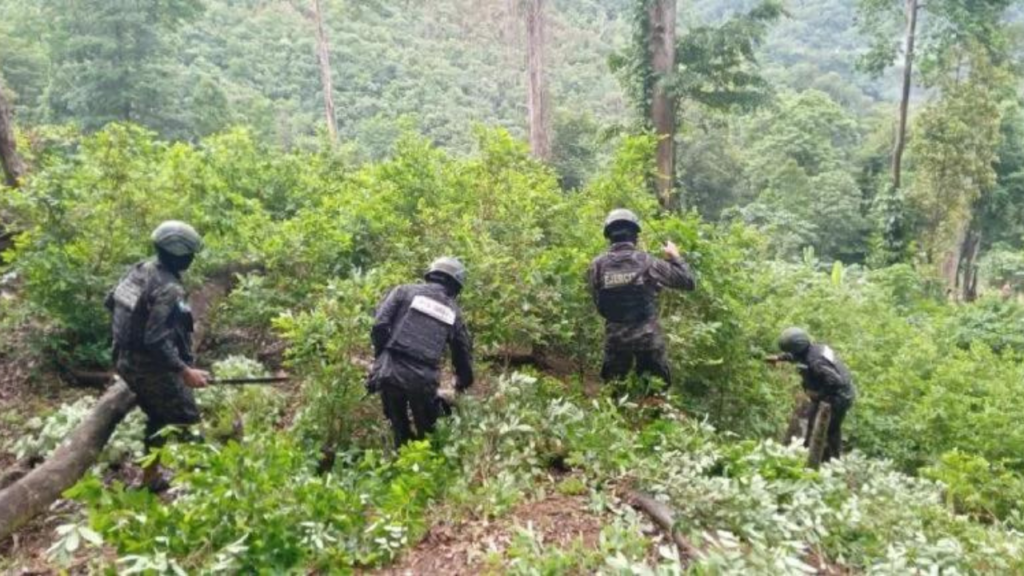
(671, 250)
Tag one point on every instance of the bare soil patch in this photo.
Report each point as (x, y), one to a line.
(462, 548)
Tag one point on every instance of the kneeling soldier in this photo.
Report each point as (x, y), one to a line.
(412, 327)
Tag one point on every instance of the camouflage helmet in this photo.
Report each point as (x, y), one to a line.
(177, 238)
(620, 217)
(794, 340)
(450, 267)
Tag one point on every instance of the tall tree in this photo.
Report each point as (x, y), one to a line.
(908, 72)
(537, 88)
(955, 152)
(949, 25)
(712, 66)
(323, 52)
(877, 20)
(661, 49)
(12, 164)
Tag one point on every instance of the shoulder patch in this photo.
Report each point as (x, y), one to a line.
(434, 309)
(828, 354)
(127, 294)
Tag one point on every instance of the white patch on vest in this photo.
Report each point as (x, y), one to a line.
(828, 354)
(613, 280)
(434, 309)
(127, 294)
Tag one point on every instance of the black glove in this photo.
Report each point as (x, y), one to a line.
(443, 406)
(372, 385)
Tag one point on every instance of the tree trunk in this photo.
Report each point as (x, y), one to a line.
(819, 436)
(799, 420)
(662, 51)
(323, 51)
(969, 264)
(908, 66)
(34, 493)
(951, 261)
(537, 97)
(13, 166)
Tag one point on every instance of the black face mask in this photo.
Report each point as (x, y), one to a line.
(622, 236)
(175, 263)
(451, 287)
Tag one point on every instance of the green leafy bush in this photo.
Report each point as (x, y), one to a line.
(976, 487)
(44, 434)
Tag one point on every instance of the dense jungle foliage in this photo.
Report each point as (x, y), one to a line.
(938, 383)
(211, 112)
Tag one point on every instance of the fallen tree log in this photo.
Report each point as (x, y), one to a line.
(665, 519)
(32, 494)
(85, 378)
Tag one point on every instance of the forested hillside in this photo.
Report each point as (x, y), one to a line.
(813, 169)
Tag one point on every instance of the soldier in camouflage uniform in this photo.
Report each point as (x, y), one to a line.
(412, 327)
(825, 379)
(625, 283)
(152, 329)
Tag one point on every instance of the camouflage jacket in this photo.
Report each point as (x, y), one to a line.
(654, 275)
(824, 375)
(394, 362)
(152, 325)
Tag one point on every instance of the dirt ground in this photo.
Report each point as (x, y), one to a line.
(462, 548)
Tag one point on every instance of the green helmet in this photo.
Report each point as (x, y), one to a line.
(620, 217)
(794, 340)
(450, 267)
(177, 238)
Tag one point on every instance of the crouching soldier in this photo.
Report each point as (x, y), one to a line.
(152, 335)
(413, 326)
(625, 283)
(825, 379)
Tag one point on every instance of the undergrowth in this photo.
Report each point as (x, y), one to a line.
(750, 507)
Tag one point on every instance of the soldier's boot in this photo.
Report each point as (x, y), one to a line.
(156, 478)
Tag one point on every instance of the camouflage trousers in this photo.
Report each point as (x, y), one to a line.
(163, 396)
(619, 363)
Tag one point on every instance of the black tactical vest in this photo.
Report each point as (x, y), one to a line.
(130, 308)
(623, 295)
(424, 329)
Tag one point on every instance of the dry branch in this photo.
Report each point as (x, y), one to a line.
(665, 519)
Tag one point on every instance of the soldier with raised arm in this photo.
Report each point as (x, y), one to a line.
(625, 283)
